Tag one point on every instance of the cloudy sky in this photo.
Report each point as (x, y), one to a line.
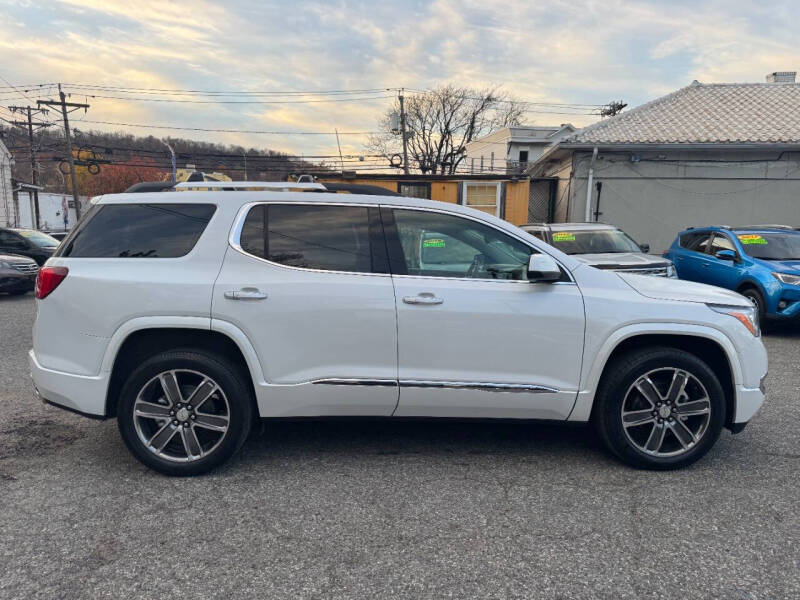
(576, 51)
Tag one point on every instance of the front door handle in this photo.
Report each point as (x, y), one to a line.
(423, 298)
(246, 294)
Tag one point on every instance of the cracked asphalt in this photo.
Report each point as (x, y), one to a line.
(394, 510)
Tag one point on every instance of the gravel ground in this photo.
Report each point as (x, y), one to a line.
(397, 510)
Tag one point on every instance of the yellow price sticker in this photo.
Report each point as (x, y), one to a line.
(563, 236)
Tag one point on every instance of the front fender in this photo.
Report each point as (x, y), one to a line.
(591, 379)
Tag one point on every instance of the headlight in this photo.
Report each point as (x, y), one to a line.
(671, 271)
(746, 316)
(786, 278)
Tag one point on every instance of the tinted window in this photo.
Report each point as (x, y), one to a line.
(440, 245)
(140, 231)
(332, 238)
(696, 241)
(771, 246)
(9, 239)
(721, 242)
(601, 241)
(37, 238)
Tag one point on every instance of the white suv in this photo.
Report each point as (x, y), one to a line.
(186, 314)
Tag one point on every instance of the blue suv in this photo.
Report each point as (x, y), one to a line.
(760, 262)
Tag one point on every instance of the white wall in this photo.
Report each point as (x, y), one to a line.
(50, 211)
(664, 192)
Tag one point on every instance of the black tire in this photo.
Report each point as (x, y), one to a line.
(758, 299)
(229, 379)
(619, 378)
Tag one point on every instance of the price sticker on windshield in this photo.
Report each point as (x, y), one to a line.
(435, 243)
(563, 236)
(752, 238)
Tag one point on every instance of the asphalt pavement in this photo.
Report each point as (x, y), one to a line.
(366, 509)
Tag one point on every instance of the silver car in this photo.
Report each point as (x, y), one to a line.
(602, 246)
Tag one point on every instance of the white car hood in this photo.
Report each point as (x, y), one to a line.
(621, 259)
(660, 288)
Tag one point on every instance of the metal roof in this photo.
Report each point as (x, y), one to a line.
(700, 113)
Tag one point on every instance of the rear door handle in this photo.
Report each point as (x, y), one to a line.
(246, 294)
(423, 298)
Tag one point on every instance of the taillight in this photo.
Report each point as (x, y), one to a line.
(48, 279)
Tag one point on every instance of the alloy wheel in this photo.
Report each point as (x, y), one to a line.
(181, 415)
(666, 412)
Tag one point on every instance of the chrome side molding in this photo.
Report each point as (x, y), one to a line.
(453, 385)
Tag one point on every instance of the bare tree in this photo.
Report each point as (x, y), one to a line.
(441, 122)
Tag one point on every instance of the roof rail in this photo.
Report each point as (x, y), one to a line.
(788, 227)
(708, 227)
(278, 186)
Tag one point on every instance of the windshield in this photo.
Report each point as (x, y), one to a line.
(601, 241)
(39, 239)
(771, 246)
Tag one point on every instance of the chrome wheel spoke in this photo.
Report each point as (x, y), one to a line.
(150, 410)
(212, 422)
(648, 390)
(162, 437)
(172, 392)
(684, 435)
(656, 438)
(201, 393)
(637, 417)
(190, 443)
(695, 407)
(678, 385)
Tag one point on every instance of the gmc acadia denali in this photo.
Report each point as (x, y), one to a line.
(186, 314)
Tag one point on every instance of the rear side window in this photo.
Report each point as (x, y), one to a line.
(695, 241)
(140, 231)
(330, 238)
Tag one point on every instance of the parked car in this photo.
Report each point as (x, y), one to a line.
(17, 274)
(28, 242)
(602, 246)
(187, 314)
(58, 235)
(760, 262)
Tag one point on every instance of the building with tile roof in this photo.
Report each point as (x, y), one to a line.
(706, 153)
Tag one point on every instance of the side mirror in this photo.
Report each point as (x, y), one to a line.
(543, 269)
(726, 255)
(645, 248)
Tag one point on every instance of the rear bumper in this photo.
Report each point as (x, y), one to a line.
(79, 393)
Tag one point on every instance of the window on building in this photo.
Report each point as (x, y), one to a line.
(440, 245)
(483, 196)
(140, 231)
(415, 190)
(331, 238)
(523, 156)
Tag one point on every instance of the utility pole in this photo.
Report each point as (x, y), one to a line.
(401, 97)
(172, 154)
(64, 104)
(34, 174)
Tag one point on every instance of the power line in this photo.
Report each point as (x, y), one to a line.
(178, 101)
(255, 131)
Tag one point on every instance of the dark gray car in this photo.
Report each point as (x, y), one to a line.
(17, 274)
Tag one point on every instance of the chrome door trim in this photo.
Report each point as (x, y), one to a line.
(453, 385)
(355, 381)
(481, 386)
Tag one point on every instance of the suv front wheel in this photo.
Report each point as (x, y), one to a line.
(184, 412)
(659, 408)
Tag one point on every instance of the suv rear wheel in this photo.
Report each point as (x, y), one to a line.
(659, 408)
(184, 412)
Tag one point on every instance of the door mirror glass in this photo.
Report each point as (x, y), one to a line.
(542, 268)
(645, 248)
(726, 255)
